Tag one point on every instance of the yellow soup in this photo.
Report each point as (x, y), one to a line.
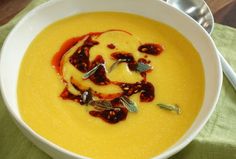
(176, 74)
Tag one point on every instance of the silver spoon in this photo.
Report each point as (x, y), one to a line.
(200, 12)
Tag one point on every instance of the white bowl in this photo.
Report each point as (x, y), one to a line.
(21, 36)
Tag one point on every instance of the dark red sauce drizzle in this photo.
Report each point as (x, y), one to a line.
(80, 60)
(152, 49)
(146, 88)
(67, 45)
(99, 77)
(111, 116)
(129, 59)
(118, 113)
(64, 48)
(124, 56)
(111, 46)
(65, 94)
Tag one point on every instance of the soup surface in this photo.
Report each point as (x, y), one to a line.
(176, 74)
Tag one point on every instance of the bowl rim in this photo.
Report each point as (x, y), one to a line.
(167, 153)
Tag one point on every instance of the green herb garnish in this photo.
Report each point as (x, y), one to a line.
(129, 104)
(142, 67)
(87, 96)
(87, 99)
(92, 71)
(115, 64)
(101, 104)
(170, 107)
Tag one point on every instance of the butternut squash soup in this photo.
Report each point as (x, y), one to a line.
(110, 85)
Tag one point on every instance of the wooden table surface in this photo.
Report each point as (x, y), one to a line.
(224, 11)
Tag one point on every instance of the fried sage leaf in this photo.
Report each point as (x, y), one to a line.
(129, 104)
(115, 64)
(101, 104)
(92, 71)
(170, 107)
(142, 67)
(87, 96)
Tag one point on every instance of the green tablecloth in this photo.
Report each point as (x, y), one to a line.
(217, 140)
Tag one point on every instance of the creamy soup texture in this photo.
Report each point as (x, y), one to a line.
(176, 74)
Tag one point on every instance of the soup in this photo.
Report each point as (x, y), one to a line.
(110, 85)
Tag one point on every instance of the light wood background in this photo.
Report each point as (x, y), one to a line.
(224, 11)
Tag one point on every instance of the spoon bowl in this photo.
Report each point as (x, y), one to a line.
(201, 13)
(198, 10)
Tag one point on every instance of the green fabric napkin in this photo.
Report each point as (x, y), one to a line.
(217, 140)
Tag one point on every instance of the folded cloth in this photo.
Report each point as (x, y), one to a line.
(217, 140)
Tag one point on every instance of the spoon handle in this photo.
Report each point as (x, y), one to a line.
(228, 70)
